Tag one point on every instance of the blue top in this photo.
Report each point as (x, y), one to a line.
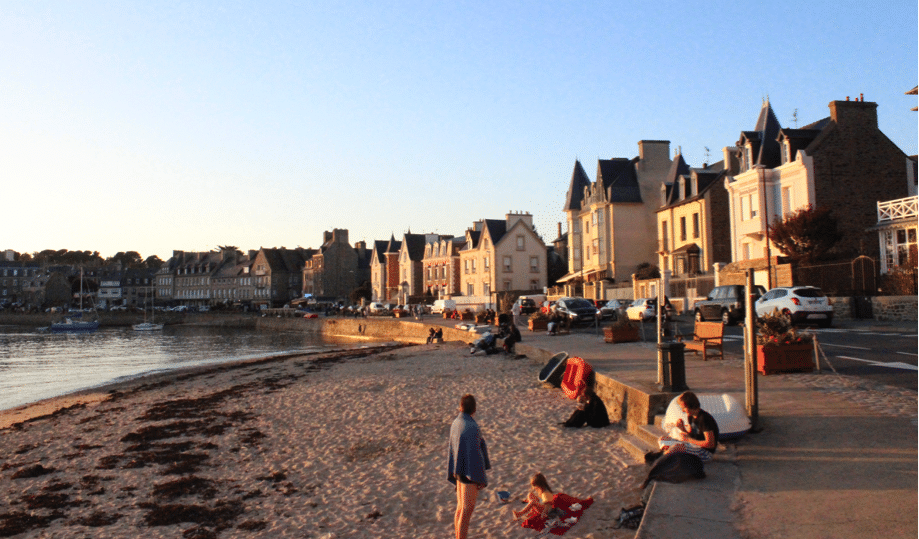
(467, 454)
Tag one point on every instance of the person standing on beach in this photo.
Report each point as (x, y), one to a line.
(467, 460)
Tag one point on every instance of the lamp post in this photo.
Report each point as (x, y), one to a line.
(761, 170)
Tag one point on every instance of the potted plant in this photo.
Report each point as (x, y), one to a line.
(621, 330)
(782, 348)
(539, 321)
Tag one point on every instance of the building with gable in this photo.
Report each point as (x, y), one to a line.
(411, 265)
(384, 270)
(441, 264)
(693, 221)
(843, 162)
(278, 275)
(612, 221)
(333, 270)
(502, 256)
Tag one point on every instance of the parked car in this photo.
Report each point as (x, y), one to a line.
(579, 310)
(797, 303)
(645, 309)
(527, 305)
(611, 309)
(725, 303)
(378, 308)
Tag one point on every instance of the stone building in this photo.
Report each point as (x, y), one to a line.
(384, 270)
(332, 271)
(278, 276)
(843, 162)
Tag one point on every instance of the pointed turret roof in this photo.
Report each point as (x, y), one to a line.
(764, 138)
(579, 181)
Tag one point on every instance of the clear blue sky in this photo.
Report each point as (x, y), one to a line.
(154, 126)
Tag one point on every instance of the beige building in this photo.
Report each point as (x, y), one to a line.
(612, 221)
(501, 255)
(411, 265)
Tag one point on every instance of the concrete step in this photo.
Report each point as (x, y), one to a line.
(649, 433)
(636, 447)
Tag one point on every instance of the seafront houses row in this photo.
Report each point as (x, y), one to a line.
(717, 215)
(697, 224)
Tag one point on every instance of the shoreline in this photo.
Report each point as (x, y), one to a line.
(350, 444)
(94, 395)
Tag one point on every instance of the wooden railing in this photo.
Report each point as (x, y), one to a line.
(901, 208)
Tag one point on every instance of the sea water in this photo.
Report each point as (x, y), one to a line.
(36, 365)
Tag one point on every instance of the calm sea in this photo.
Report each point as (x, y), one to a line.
(36, 366)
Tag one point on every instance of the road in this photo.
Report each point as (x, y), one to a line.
(883, 352)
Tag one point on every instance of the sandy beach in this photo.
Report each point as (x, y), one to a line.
(348, 444)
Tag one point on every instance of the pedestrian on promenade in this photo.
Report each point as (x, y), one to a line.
(516, 311)
(467, 460)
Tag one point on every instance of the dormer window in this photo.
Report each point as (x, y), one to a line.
(748, 157)
(682, 188)
(694, 185)
(663, 195)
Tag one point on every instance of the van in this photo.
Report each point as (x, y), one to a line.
(442, 305)
(378, 308)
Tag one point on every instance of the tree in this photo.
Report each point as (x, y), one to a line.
(130, 259)
(647, 270)
(154, 262)
(806, 235)
(361, 292)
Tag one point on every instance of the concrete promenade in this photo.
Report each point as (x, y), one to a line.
(836, 456)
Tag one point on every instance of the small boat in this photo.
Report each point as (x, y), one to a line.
(727, 411)
(69, 325)
(554, 370)
(148, 326)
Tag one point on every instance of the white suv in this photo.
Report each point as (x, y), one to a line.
(798, 304)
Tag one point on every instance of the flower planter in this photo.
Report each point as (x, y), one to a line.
(538, 325)
(620, 334)
(785, 358)
(448, 314)
(468, 316)
(480, 319)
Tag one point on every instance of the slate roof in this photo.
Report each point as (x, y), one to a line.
(415, 244)
(496, 229)
(764, 138)
(706, 178)
(379, 247)
(579, 181)
(618, 178)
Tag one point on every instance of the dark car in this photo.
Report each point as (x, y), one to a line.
(725, 303)
(579, 310)
(527, 305)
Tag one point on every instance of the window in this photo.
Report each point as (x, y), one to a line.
(746, 251)
(466, 265)
(665, 240)
(534, 264)
(470, 289)
(521, 243)
(682, 228)
(754, 205)
(508, 267)
(473, 265)
(695, 225)
(485, 262)
(744, 208)
(507, 285)
(787, 204)
(486, 289)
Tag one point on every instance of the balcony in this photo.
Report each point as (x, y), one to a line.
(892, 210)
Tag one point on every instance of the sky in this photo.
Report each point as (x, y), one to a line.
(158, 126)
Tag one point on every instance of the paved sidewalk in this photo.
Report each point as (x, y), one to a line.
(836, 456)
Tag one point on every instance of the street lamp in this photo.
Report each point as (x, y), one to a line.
(761, 170)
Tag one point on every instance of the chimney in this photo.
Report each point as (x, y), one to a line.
(854, 114)
(513, 217)
(559, 229)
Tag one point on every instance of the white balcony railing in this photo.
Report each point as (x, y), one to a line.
(901, 208)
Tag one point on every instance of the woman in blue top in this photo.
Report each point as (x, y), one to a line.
(467, 460)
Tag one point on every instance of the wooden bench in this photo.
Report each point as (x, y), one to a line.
(706, 336)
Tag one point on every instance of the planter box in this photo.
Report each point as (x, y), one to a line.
(787, 358)
(468, 316)
(480, 319)
(620, 334)
(448, 315)
(538, 325)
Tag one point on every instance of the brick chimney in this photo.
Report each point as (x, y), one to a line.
(854, 114)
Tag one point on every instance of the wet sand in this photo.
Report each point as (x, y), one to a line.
(349, 444)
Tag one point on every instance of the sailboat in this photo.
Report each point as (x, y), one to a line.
(69, 325)
(149, 326)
